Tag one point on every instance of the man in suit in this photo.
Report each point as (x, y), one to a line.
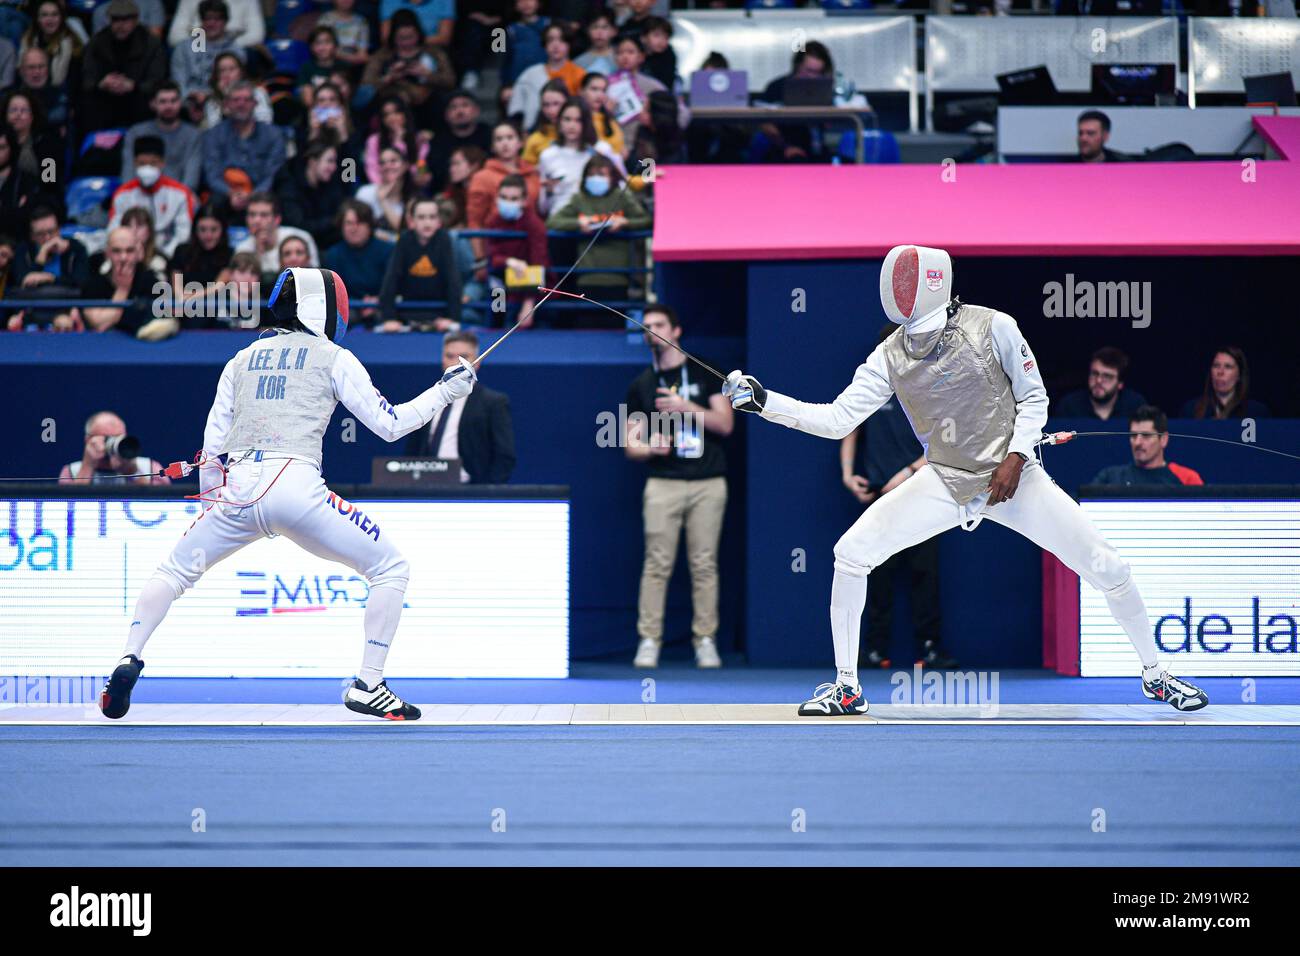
(476, 429)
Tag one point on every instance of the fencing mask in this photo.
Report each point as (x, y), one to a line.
(316, 298)
(915, 286)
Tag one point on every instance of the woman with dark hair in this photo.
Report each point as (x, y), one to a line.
(329, 121)
(18, 190)
(37, 141)
(407, 65)
(599, 199)
(310, 191)
(562, 164)
(465, 162)
(397, 129)
(388, 197)
(227, 70)
(50, 30)
(554, 95)
(1227, 389)
(206, 255)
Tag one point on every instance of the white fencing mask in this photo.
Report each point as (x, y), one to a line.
(915, 287)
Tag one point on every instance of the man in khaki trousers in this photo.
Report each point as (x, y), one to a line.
(676, 419)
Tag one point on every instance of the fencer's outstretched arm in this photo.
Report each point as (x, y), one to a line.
(220, 418)
(869, 390)
(352, 387)
(1026, 383)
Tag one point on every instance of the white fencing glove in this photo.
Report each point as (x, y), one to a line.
(459, 381)
(744, 392)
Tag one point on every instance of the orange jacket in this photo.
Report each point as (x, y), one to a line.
(481, 197)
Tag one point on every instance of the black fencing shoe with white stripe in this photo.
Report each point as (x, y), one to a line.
(380, 702)
(834, 700)
(115, 700)
(1180, 694)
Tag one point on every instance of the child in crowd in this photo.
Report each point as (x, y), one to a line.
(660, 60)
(554, 95)
(599, 56)
(423, 268)
(351, 30)
(324, 61)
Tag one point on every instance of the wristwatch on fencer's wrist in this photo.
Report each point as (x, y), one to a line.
(1023, 455)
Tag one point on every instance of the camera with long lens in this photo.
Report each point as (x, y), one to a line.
(123, 446)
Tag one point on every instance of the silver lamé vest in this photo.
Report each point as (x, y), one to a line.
(284, 395)
(957, 398)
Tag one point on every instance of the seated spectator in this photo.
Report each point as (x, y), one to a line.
(52, 31)
(204, 259)
(563, 162)
(8, 250)
(18, 189)
(360, 258)
(478, 431)
(139, 220)
(1227, 390)
(209, 109)
(129, 282)
(405, 65)
(554, 95)
(34, 81)
(310, 192)
(324, 46)
(465, 162)
(463, 128)
(240, 155)
(507, 145)
(793, 142)
(265, 233)
(153, 17)
(293, 255)
(513, 212)
(40, 147)
(241, 305)
(599, 200)
(1106, 395)
(389, 198)
(436, 19)
(640, 12)
(170, 203)
(599, 56)
(350, 29)
(50, 262)
(121, 65)
(594, 87)
(526, 94)
(422, 268)
(397, 129)
(329, 121)
(629, 93)
(660, 60)
(1093, 135)
(246, 24)
(524, 44)
(101, 466)
(182, 143)
(1148, 438)
(191, 68)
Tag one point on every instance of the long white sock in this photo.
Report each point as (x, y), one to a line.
(151, 607)
(848, 598)
(1130, 612)
(383, 611)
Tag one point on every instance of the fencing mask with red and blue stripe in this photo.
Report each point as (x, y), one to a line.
(316, 298)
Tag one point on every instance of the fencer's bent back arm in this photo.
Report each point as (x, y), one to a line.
(869, 390)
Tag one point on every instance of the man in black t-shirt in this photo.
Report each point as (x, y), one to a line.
(676, 419)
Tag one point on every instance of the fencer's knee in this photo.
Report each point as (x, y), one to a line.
(850, 560)
(177, 576)
(1109, 572)
(393, 572)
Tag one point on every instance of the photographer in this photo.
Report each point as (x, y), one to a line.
(110, 456)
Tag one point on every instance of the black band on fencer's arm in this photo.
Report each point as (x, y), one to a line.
(331, 305)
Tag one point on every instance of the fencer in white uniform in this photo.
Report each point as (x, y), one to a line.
(274, 401)
(974, 395)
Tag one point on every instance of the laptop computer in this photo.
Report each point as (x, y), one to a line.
(1276, 88)
(1031, 87)
(1132, 84)
(809, 91)
(718, 88)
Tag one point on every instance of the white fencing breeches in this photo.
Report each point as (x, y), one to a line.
(922, 507)
(298, 505)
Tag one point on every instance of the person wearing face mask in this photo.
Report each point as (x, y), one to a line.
(603, 197)
(513, 212)
(974, 395)
(170, 203)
